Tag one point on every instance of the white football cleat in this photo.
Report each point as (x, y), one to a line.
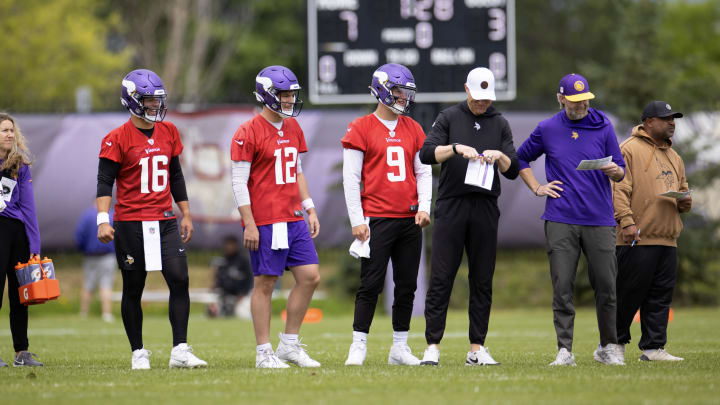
(357, 354)
(141, 359)
(620, 351)
(431, 357)
(564, 358)
(659, 355)
(401, 355)
(480, 357)
(182, 356)
(608, 355)
(294, 353)
(268, 359)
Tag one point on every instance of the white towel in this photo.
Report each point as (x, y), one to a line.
(359, 248)
(279, 236)
(151, 244)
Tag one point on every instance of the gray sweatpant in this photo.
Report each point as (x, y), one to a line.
(564, 243)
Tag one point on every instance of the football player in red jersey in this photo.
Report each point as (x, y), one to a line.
(143, 156)
(381, 152)
(271, 192)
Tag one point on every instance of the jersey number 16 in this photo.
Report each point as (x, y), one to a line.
(159, 176)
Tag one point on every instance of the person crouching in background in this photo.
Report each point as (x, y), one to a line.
(233, 279)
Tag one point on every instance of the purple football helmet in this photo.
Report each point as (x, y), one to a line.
(393, 85)
(268, 85)
(143, 93)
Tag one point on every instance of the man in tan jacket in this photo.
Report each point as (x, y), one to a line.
(648, 227)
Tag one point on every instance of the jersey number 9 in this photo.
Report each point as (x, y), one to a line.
(396, 158)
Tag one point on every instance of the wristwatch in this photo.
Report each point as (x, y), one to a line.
(454, 148)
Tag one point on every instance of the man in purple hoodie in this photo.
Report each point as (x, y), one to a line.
(579, 213)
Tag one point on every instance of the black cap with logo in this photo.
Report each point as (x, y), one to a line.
(659, 109)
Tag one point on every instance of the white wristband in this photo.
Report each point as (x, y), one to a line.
(103, 218)
(307, 204)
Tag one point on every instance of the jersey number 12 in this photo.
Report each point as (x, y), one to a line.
(290, 175)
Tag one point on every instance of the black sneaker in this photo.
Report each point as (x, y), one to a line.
(2, 363)
(25, 359)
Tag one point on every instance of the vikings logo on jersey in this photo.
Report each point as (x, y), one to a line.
(143, 192)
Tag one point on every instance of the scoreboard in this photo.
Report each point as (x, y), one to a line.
(439, 40)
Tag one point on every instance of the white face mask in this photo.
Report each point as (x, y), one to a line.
(286, 113)
(155, 112)
(402, 100)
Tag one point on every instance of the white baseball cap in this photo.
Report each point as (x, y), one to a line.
(481, 83)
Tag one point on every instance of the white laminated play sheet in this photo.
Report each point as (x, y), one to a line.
(480, 173)
(594, 164)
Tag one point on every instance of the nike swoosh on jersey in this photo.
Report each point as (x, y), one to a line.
(108, 143)
(239, 142)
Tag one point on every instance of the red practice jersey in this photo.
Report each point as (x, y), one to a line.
(388, 172)
(143, 192)
(273, 156)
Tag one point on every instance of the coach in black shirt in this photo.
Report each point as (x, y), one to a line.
(466, 216)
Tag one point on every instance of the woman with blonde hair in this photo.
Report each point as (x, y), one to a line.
(19, 235)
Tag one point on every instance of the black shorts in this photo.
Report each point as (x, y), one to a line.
(129, 246)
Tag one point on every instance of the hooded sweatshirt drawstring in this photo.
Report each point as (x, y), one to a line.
(652, 155)
(638, 130)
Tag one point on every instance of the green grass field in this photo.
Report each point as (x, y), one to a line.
(88, 362)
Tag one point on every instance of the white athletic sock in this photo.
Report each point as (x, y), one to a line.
(400, 337)
(360, 337)
(261, 348)
(290, 337)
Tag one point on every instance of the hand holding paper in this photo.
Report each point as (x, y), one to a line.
(594, 164)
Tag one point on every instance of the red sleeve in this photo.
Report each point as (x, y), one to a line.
(177, 143)
(243, 145)
(420, 134)
(110, 148)
(354, 138)
(302, 146)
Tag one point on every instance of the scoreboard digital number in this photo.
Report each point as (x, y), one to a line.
(439, 40)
